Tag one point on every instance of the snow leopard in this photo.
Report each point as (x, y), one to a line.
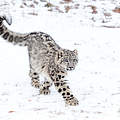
(45, 57)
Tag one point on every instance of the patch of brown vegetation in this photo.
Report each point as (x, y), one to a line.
(11, 111)
(50, 9)
(49, 5)
(32, 6)
(21, 6)
(76, 6)
(58, 9)
(68, 0)
(94, 9)
(36, 2)
(116, 10)
(67, 8)
(24, 4)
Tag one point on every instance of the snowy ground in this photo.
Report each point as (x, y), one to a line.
(95, 82)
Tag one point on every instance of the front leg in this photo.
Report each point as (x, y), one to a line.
(60, 84)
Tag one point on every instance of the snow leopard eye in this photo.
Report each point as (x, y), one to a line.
(74, 60)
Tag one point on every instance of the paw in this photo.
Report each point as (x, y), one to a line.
(72, 102)
(45, 91)
(35, 84)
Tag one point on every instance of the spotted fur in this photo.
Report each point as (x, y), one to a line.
(47, 58)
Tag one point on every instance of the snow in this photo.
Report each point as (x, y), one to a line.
(95, 82)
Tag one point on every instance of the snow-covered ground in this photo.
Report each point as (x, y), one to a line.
(95, 82)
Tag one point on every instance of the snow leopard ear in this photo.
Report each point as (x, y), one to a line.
(75, 51)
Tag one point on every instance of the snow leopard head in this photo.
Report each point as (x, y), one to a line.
(68, 59)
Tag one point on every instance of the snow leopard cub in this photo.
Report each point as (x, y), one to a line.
(45, 57)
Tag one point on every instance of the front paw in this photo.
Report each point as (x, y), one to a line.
(45, 91)
(72, 102)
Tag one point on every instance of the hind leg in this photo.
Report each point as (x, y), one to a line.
(44, 88)
(34, 79)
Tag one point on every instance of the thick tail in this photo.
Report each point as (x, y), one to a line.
(13, 37)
